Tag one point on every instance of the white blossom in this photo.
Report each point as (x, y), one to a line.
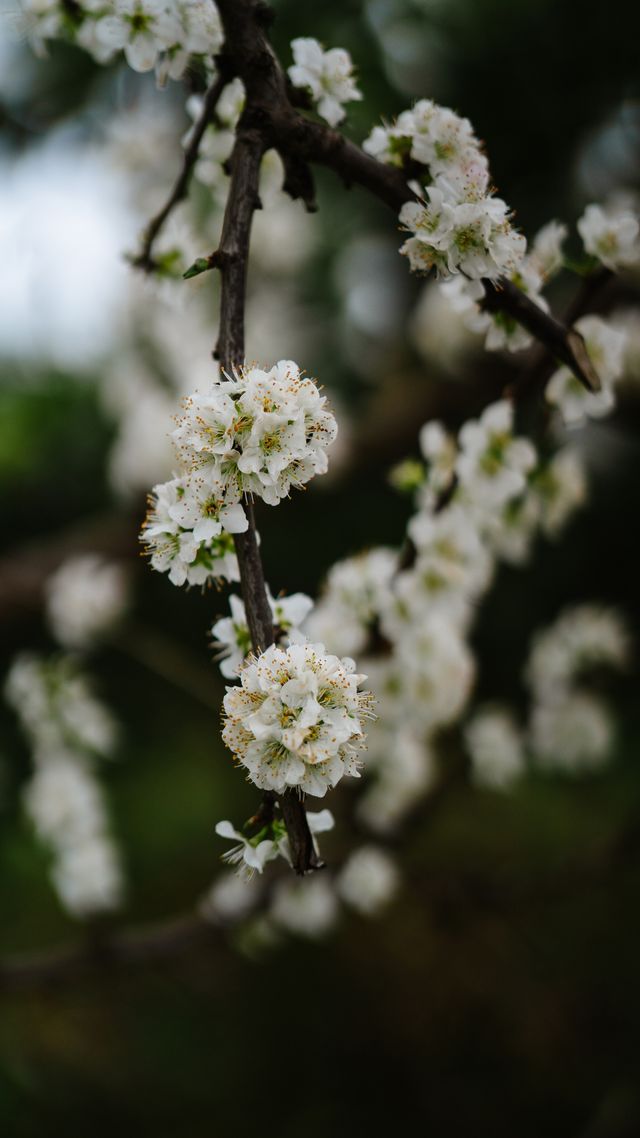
(440, 451)
(546, 249)
(296, 718)
(434, 668)
(177, 511)
(493, 465)
(453, 235)
(88, 878)
(86, 597)
(368, 881)
(582, 638)
(57, 707)
(605, 345)
(263, 431)
(610, 233)
(232, 639)
(230, 898)
(495, 746)
(573, 732)
(307, 908)
(142, 28)
(353, 598)
(249, 855)
(328, 75)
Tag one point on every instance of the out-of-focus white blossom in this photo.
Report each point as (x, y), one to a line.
(56, 706)
(492, 464)
(582, 638)
(230, 899)
(232, 639)
(307, 908)
(67, 727)
(158, 34)
(546, 248)
(88, 877)
(86, 597)
(353, 598)
(368, 881)
(605, 345)
(296, 718)
(610, 233)
(573, 732)
(495, 746)
(328, 75)
(440, 451)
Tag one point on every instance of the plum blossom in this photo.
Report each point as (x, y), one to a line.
(368, 881)
(296, 720)
(610, 233)
(86, 597)
(493, 465)
(573, 733)
(232, 639)
(453, 235)
(605, 345)
(264, 431)
(496, 748)
(582, 638)
(179, 509)
(328, 75)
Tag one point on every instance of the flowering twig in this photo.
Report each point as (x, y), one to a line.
(293, 135)
(231, 259)
(144, 259)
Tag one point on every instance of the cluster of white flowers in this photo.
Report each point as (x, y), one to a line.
(459, 226)
(160, 34)
(67, 727)
(86, 597)
(217, 142)
(367, 883)
(481, 496)
(231, 635)
(495, 745)
(296, 719)
(327, 75)
(258, 433)
(535, 269)
(605, 345)
(571, 728)
(611, 233)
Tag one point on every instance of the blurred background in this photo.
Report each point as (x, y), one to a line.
(498, 995)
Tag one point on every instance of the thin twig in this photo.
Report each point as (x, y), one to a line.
(145, 259)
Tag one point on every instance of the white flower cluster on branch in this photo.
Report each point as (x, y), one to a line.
(296, 720)
(258, 433)
(67, 729)
(160, 34)
(459, 226)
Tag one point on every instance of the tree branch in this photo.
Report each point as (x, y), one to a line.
(160, 941)
(145, 259)
(296, 137)
(232, 258)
